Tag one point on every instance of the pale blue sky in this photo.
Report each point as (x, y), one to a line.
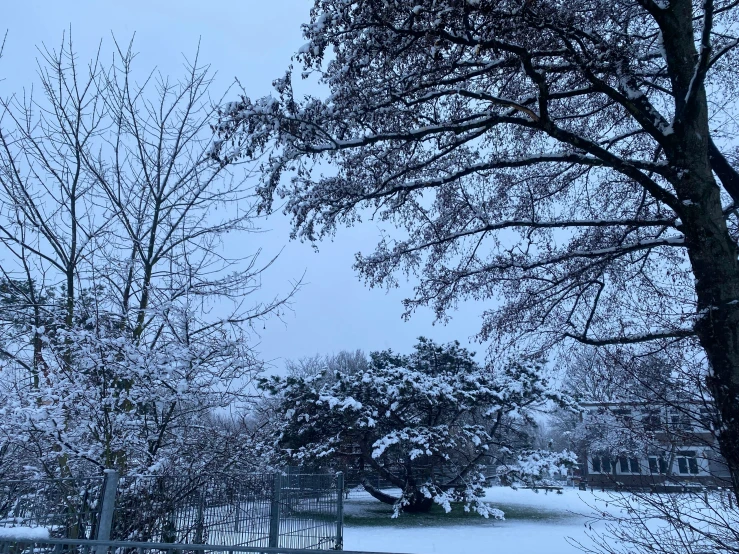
(253, 41)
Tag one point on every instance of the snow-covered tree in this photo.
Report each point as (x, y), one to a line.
(576, 160)
(124, 323)
(429, 423)
(104, 400)
(344, 361)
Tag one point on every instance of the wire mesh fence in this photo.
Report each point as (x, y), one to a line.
(270, 510)
(298, 511)
(67, 507)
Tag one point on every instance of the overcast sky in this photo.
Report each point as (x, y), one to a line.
(253, 41)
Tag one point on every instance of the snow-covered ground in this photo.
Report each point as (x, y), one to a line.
(535, 523)
(24, 533)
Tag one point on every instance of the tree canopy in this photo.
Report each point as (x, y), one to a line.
(573, 161)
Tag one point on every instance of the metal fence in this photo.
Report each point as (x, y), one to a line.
(260, 510)
(68, 546)
(68, 507)
(299, 511)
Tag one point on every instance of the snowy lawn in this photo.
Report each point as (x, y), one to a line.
(535, 523)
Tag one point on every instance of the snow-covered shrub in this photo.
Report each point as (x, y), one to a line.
(106, 400)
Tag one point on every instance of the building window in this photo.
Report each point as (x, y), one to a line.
(687, 463)
(657, 464)
(693, 465)
(623, 413)
(606, 463)
(652, 421)
(602, 464)
(680, 419)
(629, 465)
(624, 463)
(653, 465)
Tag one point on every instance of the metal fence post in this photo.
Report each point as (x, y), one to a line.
(200, 522)
(107, 508)
(339, 545)
(274, 513)
(237, 515)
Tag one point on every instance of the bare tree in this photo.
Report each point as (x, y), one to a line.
(126, 321)
(50, 223)
(345, 361)
(573, 160)
(165, 190)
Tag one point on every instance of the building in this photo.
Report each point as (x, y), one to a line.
(649, 445)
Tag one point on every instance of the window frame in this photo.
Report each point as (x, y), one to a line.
(596, 460)
(603, 465)
(687, 460)
(658, 465)
(629, 465)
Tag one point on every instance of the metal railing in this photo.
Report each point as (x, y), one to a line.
(71, 546)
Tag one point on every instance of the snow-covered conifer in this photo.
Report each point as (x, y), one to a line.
(429, 423)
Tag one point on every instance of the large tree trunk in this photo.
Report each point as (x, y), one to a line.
(418, 503)
(712, 251)
(713, 256)
(379, 495)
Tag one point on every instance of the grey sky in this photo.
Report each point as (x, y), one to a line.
(253, 41)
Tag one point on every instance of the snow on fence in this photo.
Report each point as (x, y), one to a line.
(261, 510)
